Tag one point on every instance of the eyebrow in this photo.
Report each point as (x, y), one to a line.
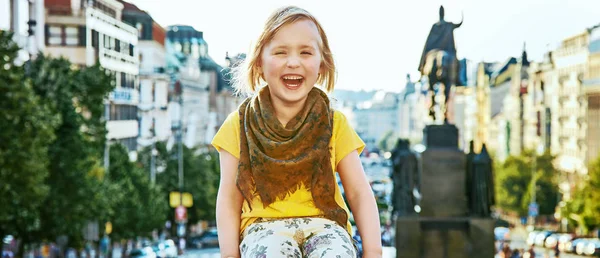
(287, 47)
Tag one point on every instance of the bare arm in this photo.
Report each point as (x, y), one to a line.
(229, 207)
(362, 203)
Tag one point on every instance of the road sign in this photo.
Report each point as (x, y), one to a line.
(175, 199)
(533, 209)
(181, 213)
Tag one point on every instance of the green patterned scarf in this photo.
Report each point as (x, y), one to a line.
(275, 160)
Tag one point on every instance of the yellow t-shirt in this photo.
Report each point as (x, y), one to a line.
(344, 140)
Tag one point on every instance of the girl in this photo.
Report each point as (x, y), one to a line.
(278, 195)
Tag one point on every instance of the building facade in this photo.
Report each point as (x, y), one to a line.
(90, 32)
(591, 88)
(184, 46)
(26, 19)
(154, 116)
(570, 63)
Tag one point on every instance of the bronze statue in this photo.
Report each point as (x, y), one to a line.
(482, 196)
(438, 60)
(405, 176)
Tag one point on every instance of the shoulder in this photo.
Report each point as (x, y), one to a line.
(339, 118)
(233, 116)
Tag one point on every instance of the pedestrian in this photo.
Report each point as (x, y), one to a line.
(556, 251)
(515, 254)
(280, 150)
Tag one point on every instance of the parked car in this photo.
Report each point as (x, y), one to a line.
(580, 247)
(552, 240)
(571, 245)
(146, 252)
(206, 239)
(563, 240)
(502, 233)
(166, 249)
(541, 237)
(593, 247)
(531, 237)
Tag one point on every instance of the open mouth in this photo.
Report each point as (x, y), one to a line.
(292, 81)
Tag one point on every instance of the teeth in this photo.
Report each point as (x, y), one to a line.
(292, 77)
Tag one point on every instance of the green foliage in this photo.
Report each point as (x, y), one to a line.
(583, 209)
(201, 174)
(26, 131)
(77, 193)
(139, 206)
(514, 186)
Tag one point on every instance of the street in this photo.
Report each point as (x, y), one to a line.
(518, 237)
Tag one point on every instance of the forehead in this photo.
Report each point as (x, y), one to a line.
(301, 32)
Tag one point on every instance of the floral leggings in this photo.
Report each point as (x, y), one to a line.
(296, 238)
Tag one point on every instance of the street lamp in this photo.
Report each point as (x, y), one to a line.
(533, 206)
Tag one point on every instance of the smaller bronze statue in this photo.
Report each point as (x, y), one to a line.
(405, 176)
(482, 196)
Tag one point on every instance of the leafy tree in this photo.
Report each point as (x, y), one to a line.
(200, 173)
(583, 208)
(26, 131)
(140, 207)
(514, 186)
(76, 194)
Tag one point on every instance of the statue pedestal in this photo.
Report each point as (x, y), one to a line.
(463, 237)
(443, 229)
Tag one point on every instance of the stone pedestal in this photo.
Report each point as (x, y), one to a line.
(443, 229)
(443, 183)
(464, 237)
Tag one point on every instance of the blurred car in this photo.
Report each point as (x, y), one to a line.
(146, 252)
(541, 237)
(531, 237)
(563, 240)
(206, 239)
(501, 233)
(593, 247)
(552, 240)
(580, 247)
(571, 245)
(166, 249)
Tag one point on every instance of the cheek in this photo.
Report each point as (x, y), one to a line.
(271, 65)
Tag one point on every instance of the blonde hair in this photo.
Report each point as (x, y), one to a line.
(247, 77)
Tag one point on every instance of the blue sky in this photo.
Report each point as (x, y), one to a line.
(376, 42)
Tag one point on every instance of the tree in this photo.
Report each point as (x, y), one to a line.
(592, 198)
(26, 131)
(583, 209)
(514, 186)
(139, 206)
(201, 178)
(76, 192)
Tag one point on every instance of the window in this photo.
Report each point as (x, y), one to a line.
(122, 112)
(129, 143)
(54, 35)
(126, 80)
(71, 36)
(95, 38)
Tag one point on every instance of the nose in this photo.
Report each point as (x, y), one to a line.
(293, 61)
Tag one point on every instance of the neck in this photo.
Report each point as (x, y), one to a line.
(286, 111)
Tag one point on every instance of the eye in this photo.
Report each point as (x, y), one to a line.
(280, 53)
(306, 53)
